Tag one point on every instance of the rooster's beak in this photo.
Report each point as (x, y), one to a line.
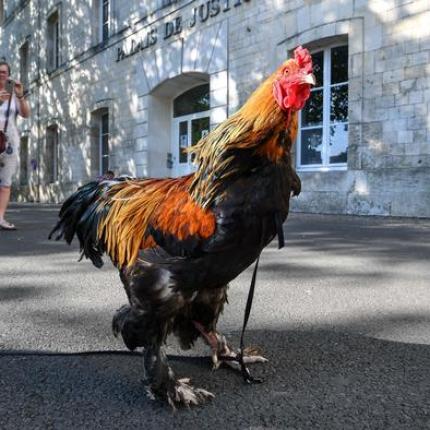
(309, 79)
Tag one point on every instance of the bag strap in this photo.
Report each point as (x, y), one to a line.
(7, 113)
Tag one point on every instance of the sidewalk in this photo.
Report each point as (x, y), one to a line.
(343, 314)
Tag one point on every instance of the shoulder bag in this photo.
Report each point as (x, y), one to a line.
(3, 135)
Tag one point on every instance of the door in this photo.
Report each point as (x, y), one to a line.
(187, 131)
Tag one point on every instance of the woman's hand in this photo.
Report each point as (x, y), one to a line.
(23, 106)
(19, 89)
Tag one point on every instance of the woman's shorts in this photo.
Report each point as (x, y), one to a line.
(8, 165)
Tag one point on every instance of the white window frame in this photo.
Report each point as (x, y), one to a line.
(103, 156)
(102, 22)
(325, 166)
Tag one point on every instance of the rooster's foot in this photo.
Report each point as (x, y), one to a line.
(161, 382)
(181, 393)
(223, 353)
(251, 355)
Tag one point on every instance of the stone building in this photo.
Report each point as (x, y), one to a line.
(126, 86)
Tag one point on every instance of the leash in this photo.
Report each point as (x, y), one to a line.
(248, 378)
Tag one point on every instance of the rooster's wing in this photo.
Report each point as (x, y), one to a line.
(123, 216)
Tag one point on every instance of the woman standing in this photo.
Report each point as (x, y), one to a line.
(9, 158)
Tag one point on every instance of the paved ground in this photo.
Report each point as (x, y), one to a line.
(343, 314)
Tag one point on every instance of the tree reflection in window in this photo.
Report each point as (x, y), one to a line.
(194, 100)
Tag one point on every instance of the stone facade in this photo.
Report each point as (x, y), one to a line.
(233, 45)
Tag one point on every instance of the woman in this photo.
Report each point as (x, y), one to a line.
(9, 158)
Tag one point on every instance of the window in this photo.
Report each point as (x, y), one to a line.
(323, 137)
(53, 41)
(23, 64)
(1, 12)
(23, 161)
(192, 101)
(104, 143)
(99, 136)
(52, 154)
(104, 20)
(191, 122)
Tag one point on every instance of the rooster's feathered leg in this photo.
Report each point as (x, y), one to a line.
(146, 323)
(200, 318)
(164, 385)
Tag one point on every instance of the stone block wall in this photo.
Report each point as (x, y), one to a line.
(389, 89)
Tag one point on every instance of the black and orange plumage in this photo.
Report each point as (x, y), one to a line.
(178, 242)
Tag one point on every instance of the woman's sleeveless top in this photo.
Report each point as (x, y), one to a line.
(12, 130)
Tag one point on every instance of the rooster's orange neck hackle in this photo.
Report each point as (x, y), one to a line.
(268, 118)
(264, 127)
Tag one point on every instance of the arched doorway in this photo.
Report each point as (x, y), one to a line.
(191, 122)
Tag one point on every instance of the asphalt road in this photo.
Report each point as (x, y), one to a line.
(342, 313)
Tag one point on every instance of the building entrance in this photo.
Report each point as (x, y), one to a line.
(191, 122)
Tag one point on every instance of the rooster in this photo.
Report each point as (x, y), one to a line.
(177, 243)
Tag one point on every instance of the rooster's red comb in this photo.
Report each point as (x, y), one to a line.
(303, 58)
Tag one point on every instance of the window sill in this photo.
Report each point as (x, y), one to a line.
(311, 169)
(52, 73)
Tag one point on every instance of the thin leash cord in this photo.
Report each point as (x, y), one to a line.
(248, 378)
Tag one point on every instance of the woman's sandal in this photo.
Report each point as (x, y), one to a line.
(4, 225)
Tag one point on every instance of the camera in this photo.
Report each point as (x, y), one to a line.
(10, 84)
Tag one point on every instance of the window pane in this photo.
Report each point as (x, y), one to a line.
(318, 67)
(105, 145)
(105, 11)
(57, 44)
(339, 104)
(105, 164)
(311, 146)
(56, 153)
(312, 113)
(339, 64)
(51, 160)
(199, 129)
(104, 142)
(24, 65)
(338, 143)
(105, 32)
(192, 101)
(105, 123)
(24, 161)
(183, 141)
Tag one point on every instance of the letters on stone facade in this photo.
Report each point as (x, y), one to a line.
(173, 27)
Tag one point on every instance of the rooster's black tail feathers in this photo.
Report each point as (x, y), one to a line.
(80, 215)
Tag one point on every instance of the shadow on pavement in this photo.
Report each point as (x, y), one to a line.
(386, 239)
(315, 379)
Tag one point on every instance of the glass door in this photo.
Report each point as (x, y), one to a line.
(187, 131)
